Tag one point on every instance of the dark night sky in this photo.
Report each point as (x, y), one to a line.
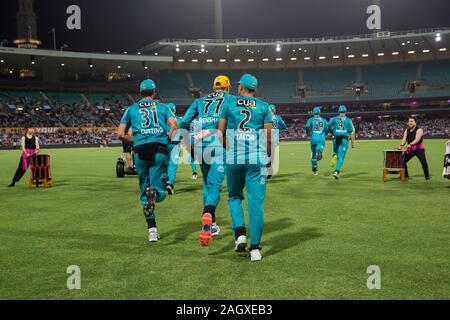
(119, 25)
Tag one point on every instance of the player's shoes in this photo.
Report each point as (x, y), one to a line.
(334, 161)
(315, 173)
(205, 234)
(215, 230)
(153, 235)
(240, 244)
(336, 175)
(149, 207)
(169, 189)
(194, 176)
(255, 255)
(12, 184)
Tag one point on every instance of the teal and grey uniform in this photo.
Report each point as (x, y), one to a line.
(247, 160)
(209, 151)
(174, 150)
(317, 128)
(341, 127)
(148, 122)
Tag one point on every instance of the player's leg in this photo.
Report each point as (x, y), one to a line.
(19, 173)
(424, 163)
(215, 179)
(193, 165)
(235, 184)
(174, 158)
(142, 169)
(314, 158)
(334, 158)
(155, 193)
(342, 152)
(407, 156)
(256, 191)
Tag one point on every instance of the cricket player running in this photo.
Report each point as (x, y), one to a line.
(208, 151)
(342, 127)
(317, 128)
(246, 129)
(174, 150)
(149, 121)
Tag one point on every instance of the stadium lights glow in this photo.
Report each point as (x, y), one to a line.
(91, 66)
(351, 56)
(228, 50)
(189, 51)
(146, 68)
(307, 58)
(380, 54)
(119, 67)
(365, 55)
(62, 64)
(251, 60)
(408, 42)
(180, 60)
(347, 48)
(2, 61)
(156, 53)
(209, 60)
(223, 60)
(202, 50)
(279, 59)
(139, 53)
(438, 37)
(335, 57)
(194, 60)
(426, 50)
(411, 52)
(177, 45)
(265, 59)
(237, 60)
(125, 52)
(321, 58)
(293, 59)
(278, 48)
(395, 53)
(416, 43)
(177, 49)
(202, 45)
(403, 43)
(443, 49)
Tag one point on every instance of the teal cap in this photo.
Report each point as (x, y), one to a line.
(248, 81)
(147, 85)
(171, 107)
(272, 107)
(342, 109)
(316, 110)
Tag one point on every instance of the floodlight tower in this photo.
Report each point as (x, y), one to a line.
(26, 26)
(218, 21)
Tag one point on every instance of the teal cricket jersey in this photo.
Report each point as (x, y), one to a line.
(341, 126)
(206, 111)
(317, 127)
(278, 125)
(148, 122)
(246, 118)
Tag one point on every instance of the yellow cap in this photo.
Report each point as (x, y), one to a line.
(221, 82)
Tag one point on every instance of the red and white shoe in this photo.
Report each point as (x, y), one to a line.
(205, 234)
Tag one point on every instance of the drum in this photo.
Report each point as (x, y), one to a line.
(393, 163)
(40, 171)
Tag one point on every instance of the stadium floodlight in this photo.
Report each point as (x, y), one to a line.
(209, 60)
(251, 60)
(380, 54)
(119, 67)
(265, 59)
(322, 58)
(347, 48)
(307, 58)
(408, 42)
(237, 60)
(189, 51)
(293, 59)
(403, 43)
(228, 50)
(202, 50)
(426, 50)
(2, 61)
(351, 56)
(63, 64)
(11, 72)
(156, 53)
(108, 52)
(416, 43)
(365, 55)
(180, 60)
(223, 60)
(335, 57)
(438, 37)
(443, 49)
(279, 59)
(125, 52)
(194, 60)
(411, 52)
(139, 53)
(177, 49)
(33, 60)
(395, 53)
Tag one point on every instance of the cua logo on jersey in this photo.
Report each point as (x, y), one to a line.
(146, 104)
(246, 103)
(216, 94)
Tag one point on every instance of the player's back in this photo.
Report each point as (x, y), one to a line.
(341, 126)
(148, 122)
(246, 117)
(318, 128)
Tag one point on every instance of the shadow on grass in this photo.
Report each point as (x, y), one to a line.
(289, 240)
(196, 187)
(182, 232)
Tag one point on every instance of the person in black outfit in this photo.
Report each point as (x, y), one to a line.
(29, 146)
(414, 137)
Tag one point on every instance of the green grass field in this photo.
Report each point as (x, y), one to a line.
(320, 236)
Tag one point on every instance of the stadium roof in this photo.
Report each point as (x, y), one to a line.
(381, 47)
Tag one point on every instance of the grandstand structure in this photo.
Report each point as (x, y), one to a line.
(385, 74)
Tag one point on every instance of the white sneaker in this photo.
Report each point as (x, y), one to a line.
(153, 235)
(194, 176)
(315, 173)
(215, 230)
(336, 175)
(241, 244)
(255, 255)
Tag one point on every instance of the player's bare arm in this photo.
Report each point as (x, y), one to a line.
(122, 135)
